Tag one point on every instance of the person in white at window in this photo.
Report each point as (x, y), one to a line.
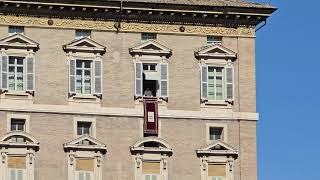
(148, 93)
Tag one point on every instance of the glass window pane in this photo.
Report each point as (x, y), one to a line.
(87, 64)
(84, 128)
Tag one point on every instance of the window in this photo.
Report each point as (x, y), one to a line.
(214, 40)
(215, 83)
(83, 77)
(16, 167)
(154, 79)
(148, 36)
(151, 170)
(18, 124)
(84, 169)
(215, 133)
(84, 128)
(216, 171)
(15, 30)
(16, 73)
(82, 34)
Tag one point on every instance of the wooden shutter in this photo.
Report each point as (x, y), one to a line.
(84, 165)
(17, 162)
(30, 73)
(217, 170)
(229, 84)
(97, 77)
(72, 76)
(151, 167)
(4, 73)
(138, 79)
(204, 82)
(164, 80)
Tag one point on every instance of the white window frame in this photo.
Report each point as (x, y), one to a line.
(24, 174)
(144, 176)
(16, 65)
(19, 116)
(83, 69)
(93, 132)
(78, 174)
(215, 84)
(216, 125)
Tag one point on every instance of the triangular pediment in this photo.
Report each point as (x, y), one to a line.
(151, 47)
(215, 50)
(218, 148)
(18, 41)
(86, 143)
(85, 44)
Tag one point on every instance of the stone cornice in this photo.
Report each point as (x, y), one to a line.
(211, 114)
(125, 26)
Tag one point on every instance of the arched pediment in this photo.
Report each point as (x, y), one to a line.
(85, 143)
(18, 41)
(215, 51)
(19, 139)
(85, 45)
(151, 47)
(218, 148)
(151, 144)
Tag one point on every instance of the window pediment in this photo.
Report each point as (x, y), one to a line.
(151, 145)
(19, 140)
(151, 47)
(18, 41)
(85, 45)
(215, 51)
(85, 143)
(218, 148)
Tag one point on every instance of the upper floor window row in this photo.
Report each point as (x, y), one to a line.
(16, 30)
(151, 72)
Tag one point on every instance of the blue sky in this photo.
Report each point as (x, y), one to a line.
(287, 92)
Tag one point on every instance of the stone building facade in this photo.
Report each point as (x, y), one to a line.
(128, 90)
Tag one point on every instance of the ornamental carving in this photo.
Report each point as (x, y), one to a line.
(125, 26)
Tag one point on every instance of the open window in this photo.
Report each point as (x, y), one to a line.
(151, 159)
(151, 70)
(217, 161)
(17, 151)
(85, 70)
(217, 74)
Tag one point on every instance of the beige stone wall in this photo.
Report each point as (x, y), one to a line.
(119, 133)
(118, 82)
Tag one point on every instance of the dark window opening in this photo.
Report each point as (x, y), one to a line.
(216, 133)
(83, 128)
(17, 124)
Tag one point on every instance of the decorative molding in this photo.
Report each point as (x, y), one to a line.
(129, 112)
(125, 27)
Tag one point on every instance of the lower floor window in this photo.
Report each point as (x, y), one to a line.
(16, 167)
(217, 172)
(84, 169)
(151, 170)
(84, 175)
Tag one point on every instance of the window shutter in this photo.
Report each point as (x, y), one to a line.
(98, 77)
(81, 176)
(4, 73)
(30, 74)
(88, 175)
(13, 174)
(72, 76)
(164, 80)
(20, 174)
(229, 84)
(138, 79)
(204, 82)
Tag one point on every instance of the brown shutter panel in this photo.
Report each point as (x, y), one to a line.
(151, 167)
(217, 170)
(18, 162)
(84, 165)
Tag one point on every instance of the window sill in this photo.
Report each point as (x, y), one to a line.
(220, 104)
(84, 99)
(161, 101)
(16, 95)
